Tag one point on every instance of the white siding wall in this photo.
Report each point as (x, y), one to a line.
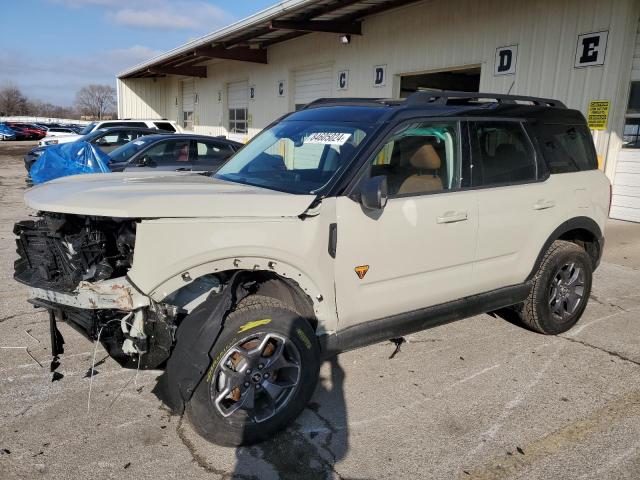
(430, 36)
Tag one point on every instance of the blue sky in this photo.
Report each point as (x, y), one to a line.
(51, 48)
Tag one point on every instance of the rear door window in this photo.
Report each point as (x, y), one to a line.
(212, 154)
(567, 148)
(502, 154)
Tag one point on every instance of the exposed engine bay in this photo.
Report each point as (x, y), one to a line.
(59, 251)
(76, 267)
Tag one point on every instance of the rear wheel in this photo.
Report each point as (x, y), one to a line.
(264, 372)
(560, 290)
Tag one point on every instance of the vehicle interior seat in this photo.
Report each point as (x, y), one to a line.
(426, 162)
(508, 164)
(181, 153)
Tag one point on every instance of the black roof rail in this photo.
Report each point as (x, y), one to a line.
(349, 101)
(443, 97)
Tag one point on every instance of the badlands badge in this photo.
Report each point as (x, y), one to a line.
(361, 271)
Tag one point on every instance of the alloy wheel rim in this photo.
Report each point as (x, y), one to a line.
(567, 290)
(256, 377)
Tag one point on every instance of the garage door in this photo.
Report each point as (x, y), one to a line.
(625, 202)
(188, 103)
(310, 84)
(237, 104)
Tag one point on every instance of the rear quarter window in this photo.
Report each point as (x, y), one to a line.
(567, 148)
(165, 126)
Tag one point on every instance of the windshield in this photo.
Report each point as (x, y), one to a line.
(128, 150)
(88, 128)
(295, 156)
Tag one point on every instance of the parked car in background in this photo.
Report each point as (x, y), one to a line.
(107, 139)
(60, 131)
(28, 131)
(176, 152)
(155, 124)
(181, 153)
(7, 133)
(21, 133)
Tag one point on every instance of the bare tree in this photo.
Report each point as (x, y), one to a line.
(46, 109)
(96, 100)
(12, 101)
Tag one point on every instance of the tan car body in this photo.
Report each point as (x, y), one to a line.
(419, 251)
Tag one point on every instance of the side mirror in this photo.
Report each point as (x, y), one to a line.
(374, 193)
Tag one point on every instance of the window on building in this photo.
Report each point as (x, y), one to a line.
(567, 148)
(187, 120)
(503, 154)
(634, 98)
(631, 134)
(238, 120)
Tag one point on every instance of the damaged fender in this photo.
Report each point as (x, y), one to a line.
(198, 333)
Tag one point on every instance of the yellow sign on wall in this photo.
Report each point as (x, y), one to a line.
(598, 115)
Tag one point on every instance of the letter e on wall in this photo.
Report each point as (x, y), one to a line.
(591, 49)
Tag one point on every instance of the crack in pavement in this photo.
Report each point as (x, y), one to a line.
(200, 460)
(595, 347)
(15, 315)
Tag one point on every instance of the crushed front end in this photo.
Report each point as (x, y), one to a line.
(76, 267)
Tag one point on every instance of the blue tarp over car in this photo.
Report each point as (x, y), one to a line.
(6, 131)
(69, 159)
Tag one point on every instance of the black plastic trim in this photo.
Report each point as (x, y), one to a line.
(333, 239)
(584, 223)
(385, 328)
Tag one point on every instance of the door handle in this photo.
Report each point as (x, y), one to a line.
(452, 217)
(544, 204)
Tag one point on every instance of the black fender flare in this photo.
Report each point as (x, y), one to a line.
(582, 223)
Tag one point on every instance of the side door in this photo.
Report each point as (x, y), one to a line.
(519, 203)
(165, 155)
(210, 155)
(419, 250)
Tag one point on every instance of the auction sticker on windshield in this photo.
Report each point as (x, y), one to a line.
(328, 138)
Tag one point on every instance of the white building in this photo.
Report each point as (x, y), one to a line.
(237, 80)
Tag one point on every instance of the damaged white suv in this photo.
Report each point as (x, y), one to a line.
(346, 223)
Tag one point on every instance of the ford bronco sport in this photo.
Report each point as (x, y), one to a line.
(349, 222)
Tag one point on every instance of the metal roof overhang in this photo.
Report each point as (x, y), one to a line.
(248, 40)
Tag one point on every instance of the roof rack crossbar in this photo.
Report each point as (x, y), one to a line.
(442, 98)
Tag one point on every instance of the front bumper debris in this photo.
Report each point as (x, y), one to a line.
(112, 294)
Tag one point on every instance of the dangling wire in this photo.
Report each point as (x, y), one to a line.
(95, 350)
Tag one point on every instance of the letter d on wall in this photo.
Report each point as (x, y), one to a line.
(506, 59)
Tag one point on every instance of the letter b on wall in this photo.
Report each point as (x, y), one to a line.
(506, 59)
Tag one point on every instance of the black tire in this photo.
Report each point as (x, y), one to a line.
(204, 410)
(542, 311)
